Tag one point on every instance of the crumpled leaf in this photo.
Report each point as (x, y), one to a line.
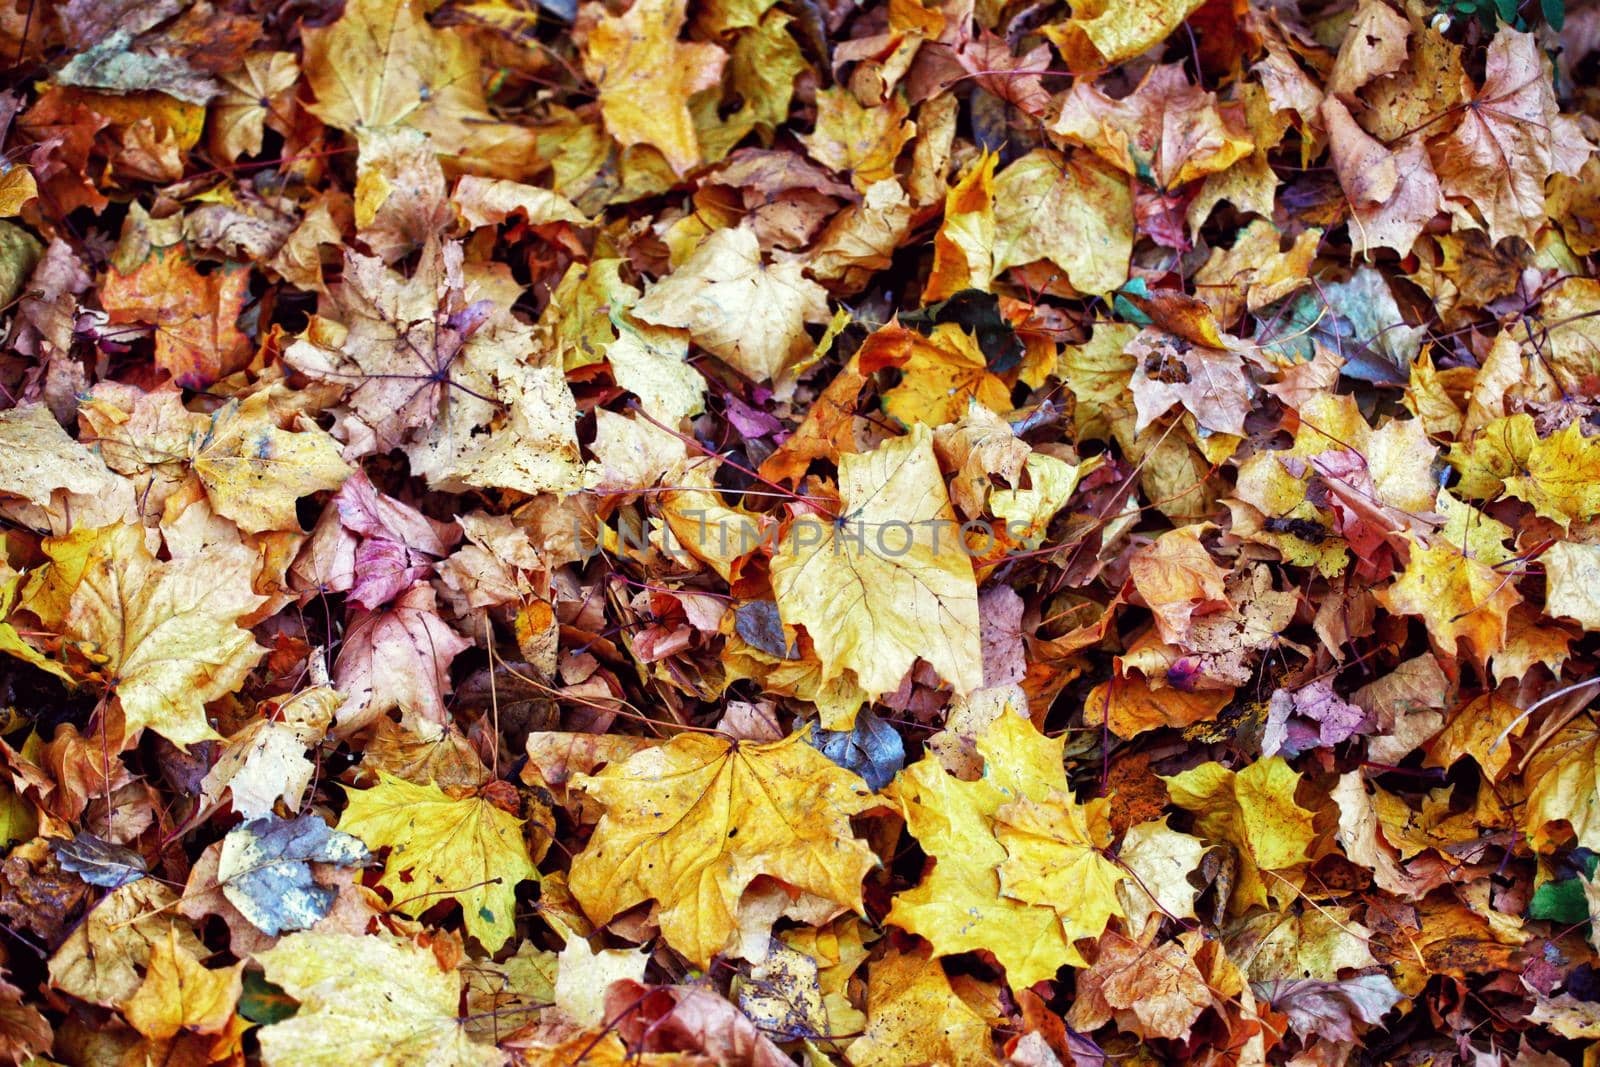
(1337, 1010)
(871, 748)
(179, 994)
(1253, 810)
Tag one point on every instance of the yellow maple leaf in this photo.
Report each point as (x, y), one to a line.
(178, 993)
(382, 64)
(1167, 130)
(1254, 811)
(1103, 32)
(944, 373)
(965, 903)
(861, 141)
(250, 96)
(1560, 476)
(254, 472)
(1564, 787)
(163, 635)
(101, 960)
(372, 999)
(914, 1016)
(738, 308)
(463, 848)
(1572, 582)
(1459, 598)
(646, 77)
(901, 590)
(1066, 209)
(1054, 859)
(689, 824)
(963, 247)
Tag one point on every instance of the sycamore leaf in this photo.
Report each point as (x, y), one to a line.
(1560, 475)
(1176, 577)
(381, 64)
(690, 824)
(736, 307)
(464, 849)
(375, 999)
(1054, 859)
(164, 635)
(646, 77)
(898, 592)
(1572, 582)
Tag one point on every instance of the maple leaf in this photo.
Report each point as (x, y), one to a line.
(465, 849)
(646, 77)
(907, 991)
(251, 97)
(1104, 32)
(254, 471)
(1068, 210)
(736, 307)
(875, 612)
(266, 761)
(1510, 139)
(1253, 810)
(101, 962)
(1151, 989)
(965, 903)
(198, 340)
(180, 994)
(377, 998)
(163, 635)
(690, 824)
(380, 64)
(1167, 130)
(862, 140)
(1459, 598)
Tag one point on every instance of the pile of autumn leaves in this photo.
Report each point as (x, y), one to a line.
(418, 691)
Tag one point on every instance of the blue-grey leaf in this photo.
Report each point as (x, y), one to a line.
(871, 749)
(1358, 319)
(265, 870)
(99, 862)
(758, 623)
